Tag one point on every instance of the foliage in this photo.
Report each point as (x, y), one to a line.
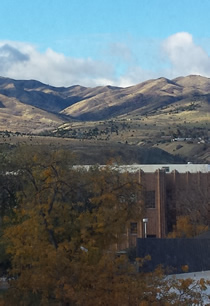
(61, 212)
(185, 228)
(62, 234)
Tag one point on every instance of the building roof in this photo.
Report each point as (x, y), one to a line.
(181, 168)
(150, 168)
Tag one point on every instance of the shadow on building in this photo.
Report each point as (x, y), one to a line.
(166, 195)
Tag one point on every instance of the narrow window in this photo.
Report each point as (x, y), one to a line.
(150, 199)
(133, 227)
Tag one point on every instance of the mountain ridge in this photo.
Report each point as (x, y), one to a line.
(97, 103)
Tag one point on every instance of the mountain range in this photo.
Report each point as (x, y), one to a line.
(31, 106)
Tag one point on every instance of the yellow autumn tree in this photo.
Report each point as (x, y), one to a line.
(61, 234)
(65, 223)
(185, 228)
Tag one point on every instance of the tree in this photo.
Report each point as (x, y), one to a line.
(61, 212)
(62, 233)
(184, 228)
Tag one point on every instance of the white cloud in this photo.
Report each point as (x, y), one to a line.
(179, 56)
(120, 66)
(24, 61)
(185, 56)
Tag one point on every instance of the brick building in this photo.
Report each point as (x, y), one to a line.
(166, 194)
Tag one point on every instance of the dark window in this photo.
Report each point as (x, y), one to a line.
(150, 199)
(169, 195)
(133, 227)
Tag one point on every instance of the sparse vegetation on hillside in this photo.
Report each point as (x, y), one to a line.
(148, 114)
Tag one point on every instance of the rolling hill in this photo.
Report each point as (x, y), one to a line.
(99, 103)
(149, 114)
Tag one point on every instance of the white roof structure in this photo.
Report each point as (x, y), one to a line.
(181, 168)
(196, 276)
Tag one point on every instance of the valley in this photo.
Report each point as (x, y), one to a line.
(170, 117)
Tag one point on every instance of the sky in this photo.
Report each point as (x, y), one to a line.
(103, 42)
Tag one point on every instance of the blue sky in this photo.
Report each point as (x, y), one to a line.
(95, 42)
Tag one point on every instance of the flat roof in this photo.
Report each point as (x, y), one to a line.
(150, 168)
